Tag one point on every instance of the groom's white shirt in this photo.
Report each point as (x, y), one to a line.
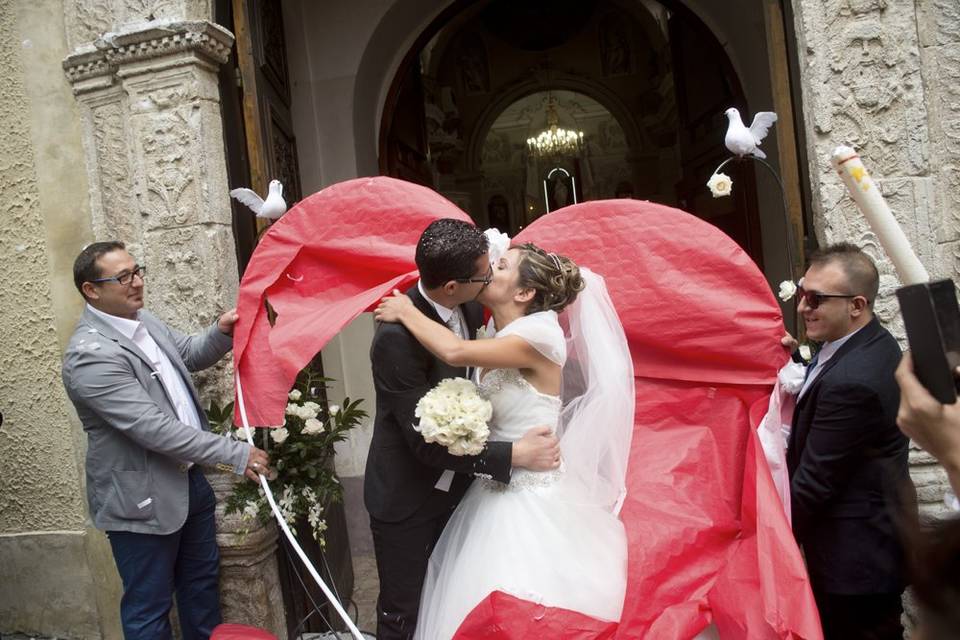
(446, 478)
(441, 310)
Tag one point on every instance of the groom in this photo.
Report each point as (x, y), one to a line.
(410, 486)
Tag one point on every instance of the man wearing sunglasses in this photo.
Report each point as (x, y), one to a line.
(127, 374)
(850, 485)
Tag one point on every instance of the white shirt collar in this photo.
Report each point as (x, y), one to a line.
(830, 348)
(442, 311)
(124, 326)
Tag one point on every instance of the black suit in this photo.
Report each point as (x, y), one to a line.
(850, 487)
(407, 514)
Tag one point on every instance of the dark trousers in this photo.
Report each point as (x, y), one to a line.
(402, 550)
(860, 617)
(153, 567)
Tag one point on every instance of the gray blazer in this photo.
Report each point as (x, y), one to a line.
(137, 449)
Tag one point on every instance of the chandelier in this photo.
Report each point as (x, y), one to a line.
(555, 141)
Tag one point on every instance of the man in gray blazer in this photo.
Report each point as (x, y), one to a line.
(126, 373)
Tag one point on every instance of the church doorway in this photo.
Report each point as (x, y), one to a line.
(638, 88)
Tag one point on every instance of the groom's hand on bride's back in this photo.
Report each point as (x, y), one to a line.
(538, 450)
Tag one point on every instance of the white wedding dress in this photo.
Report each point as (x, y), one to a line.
(542, 537)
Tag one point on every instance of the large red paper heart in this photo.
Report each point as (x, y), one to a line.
(708, 539)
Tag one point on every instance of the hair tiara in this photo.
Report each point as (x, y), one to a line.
(556, 261)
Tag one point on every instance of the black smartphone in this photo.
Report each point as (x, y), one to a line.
(932, 319)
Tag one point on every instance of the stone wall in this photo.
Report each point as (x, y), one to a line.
(44, 540)
(882, 76)
(112, 128)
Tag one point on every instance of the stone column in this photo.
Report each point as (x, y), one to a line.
(882, 77)
(249, 576)
(153, 138)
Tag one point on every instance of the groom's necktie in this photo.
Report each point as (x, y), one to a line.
(455, 323)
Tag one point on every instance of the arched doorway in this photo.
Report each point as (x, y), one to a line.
(654, 67)
(527, 181)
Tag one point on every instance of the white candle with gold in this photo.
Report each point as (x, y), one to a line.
(866, 194)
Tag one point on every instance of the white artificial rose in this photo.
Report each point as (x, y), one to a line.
(787, 290)
(720, 185)
(241, 433)
(312, 426)
(292, 409)
(334, 409)
(279, 435)
(498, 242)
(309, 410)
(295, 395)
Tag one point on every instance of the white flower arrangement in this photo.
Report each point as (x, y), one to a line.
(720, 185)
(498, 242)
(454, 415)
(301, 457)
(788, 289)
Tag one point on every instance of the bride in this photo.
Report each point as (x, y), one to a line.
(552, 538)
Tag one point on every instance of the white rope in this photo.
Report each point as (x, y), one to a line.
(286, 529)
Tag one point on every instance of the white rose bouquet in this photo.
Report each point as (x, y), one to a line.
(454, 415)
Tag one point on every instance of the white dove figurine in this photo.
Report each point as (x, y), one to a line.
(742, 141)
(271, 208)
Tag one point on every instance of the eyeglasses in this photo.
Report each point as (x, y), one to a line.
(487, 279)
(814, 298)
(125, 278)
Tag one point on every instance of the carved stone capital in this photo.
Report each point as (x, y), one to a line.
(112, 53)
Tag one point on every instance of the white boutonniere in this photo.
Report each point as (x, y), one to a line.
(482, 333)
(806, 352)
(788, 289)
(499, 242)
(720, 185)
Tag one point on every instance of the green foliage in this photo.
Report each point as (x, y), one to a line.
(301, 454)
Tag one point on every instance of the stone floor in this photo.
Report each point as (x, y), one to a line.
(366, 585)
(365, 589)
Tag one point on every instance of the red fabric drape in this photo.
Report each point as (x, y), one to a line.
(708, 538)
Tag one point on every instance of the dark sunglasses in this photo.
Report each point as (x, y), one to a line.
(814, 298)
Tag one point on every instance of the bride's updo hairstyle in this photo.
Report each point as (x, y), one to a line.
(554, 278)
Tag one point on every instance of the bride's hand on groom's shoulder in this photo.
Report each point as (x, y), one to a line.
(537, 450)
(392, 308)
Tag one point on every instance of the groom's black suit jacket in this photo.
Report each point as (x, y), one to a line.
(850, 484)
(402, 469)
